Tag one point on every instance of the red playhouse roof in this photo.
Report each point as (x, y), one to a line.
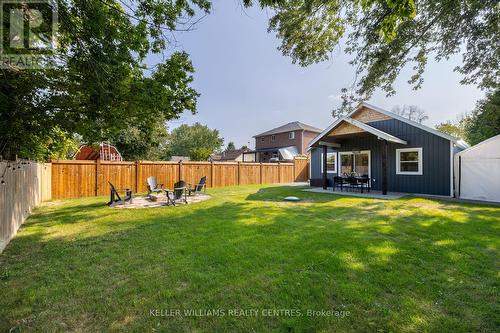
(104, 152)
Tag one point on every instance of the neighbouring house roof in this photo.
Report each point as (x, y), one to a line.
(377, 132)
(293, 126)
(229, 155)
(104, 151)
(177, 158)
(263, 150)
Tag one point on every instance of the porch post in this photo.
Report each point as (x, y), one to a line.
(384, 167)
(325, 179)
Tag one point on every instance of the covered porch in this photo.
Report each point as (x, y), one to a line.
(357, 154)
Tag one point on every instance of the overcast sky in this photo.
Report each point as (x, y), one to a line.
(247, 86)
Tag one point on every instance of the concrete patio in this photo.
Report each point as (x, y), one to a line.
(372, 194)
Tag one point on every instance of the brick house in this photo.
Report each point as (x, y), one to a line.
(282, 143)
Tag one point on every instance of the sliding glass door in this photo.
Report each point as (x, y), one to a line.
(358, 163)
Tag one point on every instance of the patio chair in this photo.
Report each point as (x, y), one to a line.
(179, 193)
(353, 183)
(339, 182)
(364, 181)
(115, 197)
(201, 186)
(153, 186)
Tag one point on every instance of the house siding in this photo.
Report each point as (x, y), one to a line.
(301, 141)
(436, 176)
(307, 137)
(281, 141)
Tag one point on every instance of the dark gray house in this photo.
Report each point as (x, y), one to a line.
(397, 154)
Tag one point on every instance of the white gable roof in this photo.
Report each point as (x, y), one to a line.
(374, 131)
(489, 148)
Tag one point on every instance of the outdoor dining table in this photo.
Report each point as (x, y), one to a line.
(365, 181)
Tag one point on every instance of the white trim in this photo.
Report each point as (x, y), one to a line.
(291, 135)
(329, 144)
(380, 134)
(420, 161)
(325, 131)
(452, 178)
(353, 161)
(334, 165)
(479, 144)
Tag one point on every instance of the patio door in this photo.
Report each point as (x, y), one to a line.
(358, 162)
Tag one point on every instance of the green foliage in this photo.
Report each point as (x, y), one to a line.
(454, 129)
(230, 146)
(196, 141)
(484, 122)
(200, 154)
(135, 144)
(385, 35)
(101, 86)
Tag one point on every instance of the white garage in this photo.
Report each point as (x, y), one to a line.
(477, 171)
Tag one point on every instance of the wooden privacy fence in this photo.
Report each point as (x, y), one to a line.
(74, 179)
(24, 185)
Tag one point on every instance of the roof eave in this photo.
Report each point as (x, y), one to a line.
(406, 120)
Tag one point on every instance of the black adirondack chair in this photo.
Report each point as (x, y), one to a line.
(179, 193)
(201, 186)
(153, 186)
(115, 197)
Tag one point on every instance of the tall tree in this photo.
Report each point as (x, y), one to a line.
(100, 85)
(384, 35)
(484, 121)
(411, 112)
(230, 146)
(134, 144)
(196, 141)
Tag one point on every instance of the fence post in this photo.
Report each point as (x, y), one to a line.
(212, 174)
(239, 170)
(279, 172)
(260, 172)
(97, 171)
(137, 175)
(180, 170)
(294, 169)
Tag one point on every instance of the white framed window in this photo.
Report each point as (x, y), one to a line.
(409, 161)
(291, 135)
(262, 139)
(331, 162)
(273, 137)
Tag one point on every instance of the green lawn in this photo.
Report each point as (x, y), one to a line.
(408, 265)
